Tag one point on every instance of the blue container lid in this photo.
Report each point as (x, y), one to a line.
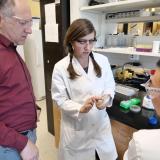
(153, 120)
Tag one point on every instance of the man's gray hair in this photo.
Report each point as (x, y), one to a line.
(6, 7)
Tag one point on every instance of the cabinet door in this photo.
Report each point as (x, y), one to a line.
(52, 51)
(57, 122)
(122, 135)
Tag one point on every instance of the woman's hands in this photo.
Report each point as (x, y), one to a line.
(99, 101)
(102, 101)
(87, 105)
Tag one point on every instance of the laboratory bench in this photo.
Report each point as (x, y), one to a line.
(136, 120)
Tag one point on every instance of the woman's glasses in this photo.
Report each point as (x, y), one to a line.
(84, 41)
(22, 22)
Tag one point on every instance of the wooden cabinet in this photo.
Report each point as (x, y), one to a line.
(122, 135)
(57, 121)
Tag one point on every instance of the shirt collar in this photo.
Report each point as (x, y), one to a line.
(6, 42)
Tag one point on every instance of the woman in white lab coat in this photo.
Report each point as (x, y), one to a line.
(83, 86)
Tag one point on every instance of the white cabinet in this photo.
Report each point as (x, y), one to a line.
(97, 13)
(33, 53)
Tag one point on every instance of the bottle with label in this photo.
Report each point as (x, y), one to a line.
(147, 102)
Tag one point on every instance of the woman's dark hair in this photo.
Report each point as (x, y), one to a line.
(78, 29)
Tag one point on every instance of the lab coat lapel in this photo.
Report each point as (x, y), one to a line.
(79, 69)
(91, 72)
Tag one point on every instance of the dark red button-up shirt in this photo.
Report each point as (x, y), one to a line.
(17, 102)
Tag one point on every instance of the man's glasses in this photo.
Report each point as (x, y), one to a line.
(21, 21)
(84, 41)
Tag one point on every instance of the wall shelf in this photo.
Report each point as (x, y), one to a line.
(121, 6)
(129, 50)
(134, 19)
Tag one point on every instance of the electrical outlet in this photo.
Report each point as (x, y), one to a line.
(134, 57)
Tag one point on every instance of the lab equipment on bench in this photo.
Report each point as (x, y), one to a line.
(126, 90)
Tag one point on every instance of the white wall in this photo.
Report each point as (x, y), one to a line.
(33, 53)
(20, 51)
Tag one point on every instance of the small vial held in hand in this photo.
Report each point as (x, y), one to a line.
(102, 103)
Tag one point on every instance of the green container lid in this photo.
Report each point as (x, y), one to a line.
(125, 104)
(135, 101)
